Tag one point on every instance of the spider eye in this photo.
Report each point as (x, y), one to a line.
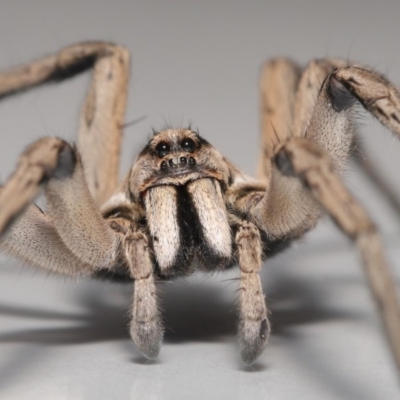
(188, 145)
(162, 149)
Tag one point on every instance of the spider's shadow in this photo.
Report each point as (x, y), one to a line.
(191, 313)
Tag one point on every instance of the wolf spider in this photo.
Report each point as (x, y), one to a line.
(183, 206)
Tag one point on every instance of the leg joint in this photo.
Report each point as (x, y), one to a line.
(341, 98)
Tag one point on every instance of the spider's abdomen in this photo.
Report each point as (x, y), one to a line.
(189, 227)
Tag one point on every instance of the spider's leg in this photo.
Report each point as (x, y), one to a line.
(35, 165)
(383, 101)
(101, 123)
(373, 91)
(74, 238)
(56, 165)
(100, 131)
(286, 208)
(288, 100)
(279, 79)
(310, 163)
(32, 238)
(254, 327)
(308, 87)
(339, 92)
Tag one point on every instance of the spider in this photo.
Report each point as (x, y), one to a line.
(183, 206)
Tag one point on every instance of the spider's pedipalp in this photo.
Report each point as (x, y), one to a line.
(254, 328)
(146, 326)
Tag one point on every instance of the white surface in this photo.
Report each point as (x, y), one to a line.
(199, 62)
(60, 340)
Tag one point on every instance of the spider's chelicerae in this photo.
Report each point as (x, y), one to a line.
(183, 206)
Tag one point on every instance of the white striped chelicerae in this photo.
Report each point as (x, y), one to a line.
(183, 206)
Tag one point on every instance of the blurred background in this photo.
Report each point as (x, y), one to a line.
(199, 62)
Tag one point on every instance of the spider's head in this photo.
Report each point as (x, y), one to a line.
(176, 157)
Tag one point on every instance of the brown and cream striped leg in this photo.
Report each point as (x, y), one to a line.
(310, 164)
(56, 165)
(378, 96)
(382, 99)
(279, 79)
(100, 132)
(373, 91)
(101, 123)
(288, 100)
(254, 327)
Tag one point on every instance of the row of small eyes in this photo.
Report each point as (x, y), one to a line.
(163, 148)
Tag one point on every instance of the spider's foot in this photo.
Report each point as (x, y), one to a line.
(148, 337)
(253, 337)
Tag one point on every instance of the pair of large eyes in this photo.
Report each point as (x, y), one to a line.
(163, 148)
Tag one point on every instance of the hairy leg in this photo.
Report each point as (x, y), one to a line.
(291, 105)
(100, 131)
(279, 79)
(376, 94)
(102, 119)
(310, 82)
(331, 125)
(310, 163)
(33, 239)
(284, 210)
(73, 215)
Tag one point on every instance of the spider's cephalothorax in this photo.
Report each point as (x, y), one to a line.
(183, 206)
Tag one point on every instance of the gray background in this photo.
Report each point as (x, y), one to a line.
(199, 62)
